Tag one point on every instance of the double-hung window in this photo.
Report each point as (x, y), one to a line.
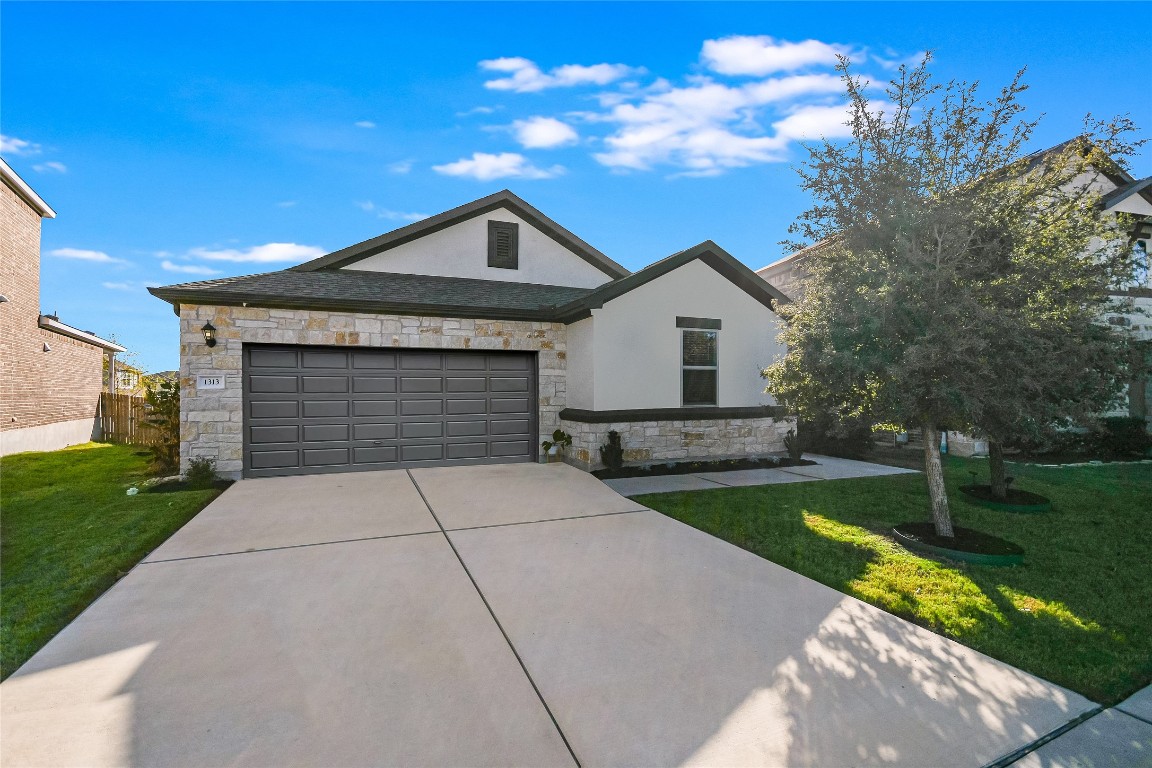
(699, 361)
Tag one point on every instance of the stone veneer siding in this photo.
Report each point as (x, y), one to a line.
(677, 440)
(212, 421)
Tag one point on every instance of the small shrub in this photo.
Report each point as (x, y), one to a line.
(201, 472)
(794, 445)
(560, 439)
(163, 404)
(1123, 436)
(612, 452)
(831, 436)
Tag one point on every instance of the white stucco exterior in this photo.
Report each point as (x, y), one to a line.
(461, 250)
(627, 355)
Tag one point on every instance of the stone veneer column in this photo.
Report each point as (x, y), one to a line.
(212, 421)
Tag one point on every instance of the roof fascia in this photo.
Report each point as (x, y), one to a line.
(25, 192)
(502, 199)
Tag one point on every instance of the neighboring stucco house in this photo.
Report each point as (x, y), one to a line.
(468, 338)
(1132, 308)
(51, 374)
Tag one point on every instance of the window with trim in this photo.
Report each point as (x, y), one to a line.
(503, 244)
(699, 363)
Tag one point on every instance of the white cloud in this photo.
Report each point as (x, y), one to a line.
(524, 76)
(286, 204)
(486, 167)
(816, 122)
(761, 55)
(188, 269)
(261, 254)
(386, 213)
(118, 286)
(365, 205)
(365, 124)
(401, 167)
(10, 145)
(477, 111)
(543, 133)
(82, 254)
(705, 127)
(50, 167)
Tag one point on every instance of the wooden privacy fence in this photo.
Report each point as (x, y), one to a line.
(122, 420)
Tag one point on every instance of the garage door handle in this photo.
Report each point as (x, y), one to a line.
(377, 442)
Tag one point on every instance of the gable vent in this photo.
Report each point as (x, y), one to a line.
(503, 244)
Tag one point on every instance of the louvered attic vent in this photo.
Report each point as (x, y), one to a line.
(503, 244)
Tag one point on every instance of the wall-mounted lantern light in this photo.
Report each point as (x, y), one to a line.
(209, 334)
(47, 348)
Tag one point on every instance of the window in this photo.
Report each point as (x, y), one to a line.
(699, 369)
(503, 244)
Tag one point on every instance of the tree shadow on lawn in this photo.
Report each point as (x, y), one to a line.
(1072, 614)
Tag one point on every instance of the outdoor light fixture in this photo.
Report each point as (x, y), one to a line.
(47, 348)
(209, 334)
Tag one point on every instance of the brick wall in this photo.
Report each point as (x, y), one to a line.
(36, 387)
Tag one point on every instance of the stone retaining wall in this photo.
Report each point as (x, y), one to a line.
(677, 440)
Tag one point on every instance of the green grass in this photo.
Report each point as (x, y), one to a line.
(68, 531)
(1077, 612)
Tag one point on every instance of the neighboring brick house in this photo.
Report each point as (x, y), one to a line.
(51, 374)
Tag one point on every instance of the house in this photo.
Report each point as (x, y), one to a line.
(1131, 308)
(51, 374)
(468, 338)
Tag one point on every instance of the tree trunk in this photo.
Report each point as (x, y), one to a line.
(998, 481)
(941, 517)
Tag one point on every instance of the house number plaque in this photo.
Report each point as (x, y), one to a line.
(209, 382)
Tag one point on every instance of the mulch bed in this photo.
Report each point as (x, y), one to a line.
(182, 485)
(692, 467)
(1015, 496)
(967, 545)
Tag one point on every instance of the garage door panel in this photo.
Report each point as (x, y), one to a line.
(429, 452)
(278, 434)
(322, 409)
(414, 429)
(324, 383)
(274, 459)
(323, 359)
(509, 405)
(274, 409)
(374, 408)
(325, 409)
(375, 431)
(371, 384)
(274, 358)
(316, 433)
(272, 384)
(467, 450)
(466, 428)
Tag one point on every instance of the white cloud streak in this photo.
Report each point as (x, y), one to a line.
(50, 167)
(524, 76)
(83, 254)
(544, 133)
(261, 254)
(10, 145)
(188, 269)
(365, 124)
(759, 55)
(506, 165)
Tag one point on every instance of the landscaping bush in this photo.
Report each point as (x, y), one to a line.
(830, 436)
(201, 472)
(164, 415)
(794, 445)
(612, 452)
(1122, 437)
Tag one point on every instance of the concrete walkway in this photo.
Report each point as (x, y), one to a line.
(502, 615)
(825, 468)
(1120, 737)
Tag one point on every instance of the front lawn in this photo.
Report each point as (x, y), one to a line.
(1077, 612)
(68, 531)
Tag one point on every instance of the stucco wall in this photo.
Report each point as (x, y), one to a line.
(677, 440)
(637, 344)
(211, 421)
(581, 364)
(38, 388)
(462, 251)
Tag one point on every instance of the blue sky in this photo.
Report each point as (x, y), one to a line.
(181, 141)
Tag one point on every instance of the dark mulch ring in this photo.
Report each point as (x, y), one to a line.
(1015, 497)
(967, 545)
(184, 485)
(692, 467)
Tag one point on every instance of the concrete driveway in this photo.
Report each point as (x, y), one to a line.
(504, 615)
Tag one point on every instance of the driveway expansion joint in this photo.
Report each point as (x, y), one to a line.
(549, 520)
(285, 546)
(1027, 749)
(499, 626)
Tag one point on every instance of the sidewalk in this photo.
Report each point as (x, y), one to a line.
(825, 468)
(1120, 736)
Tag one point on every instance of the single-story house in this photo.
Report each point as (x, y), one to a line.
(51, 374)
(468, 338)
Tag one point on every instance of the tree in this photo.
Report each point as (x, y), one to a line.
(950, 260)
(163, 402)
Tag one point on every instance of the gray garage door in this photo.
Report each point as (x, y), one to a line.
(319, 409)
